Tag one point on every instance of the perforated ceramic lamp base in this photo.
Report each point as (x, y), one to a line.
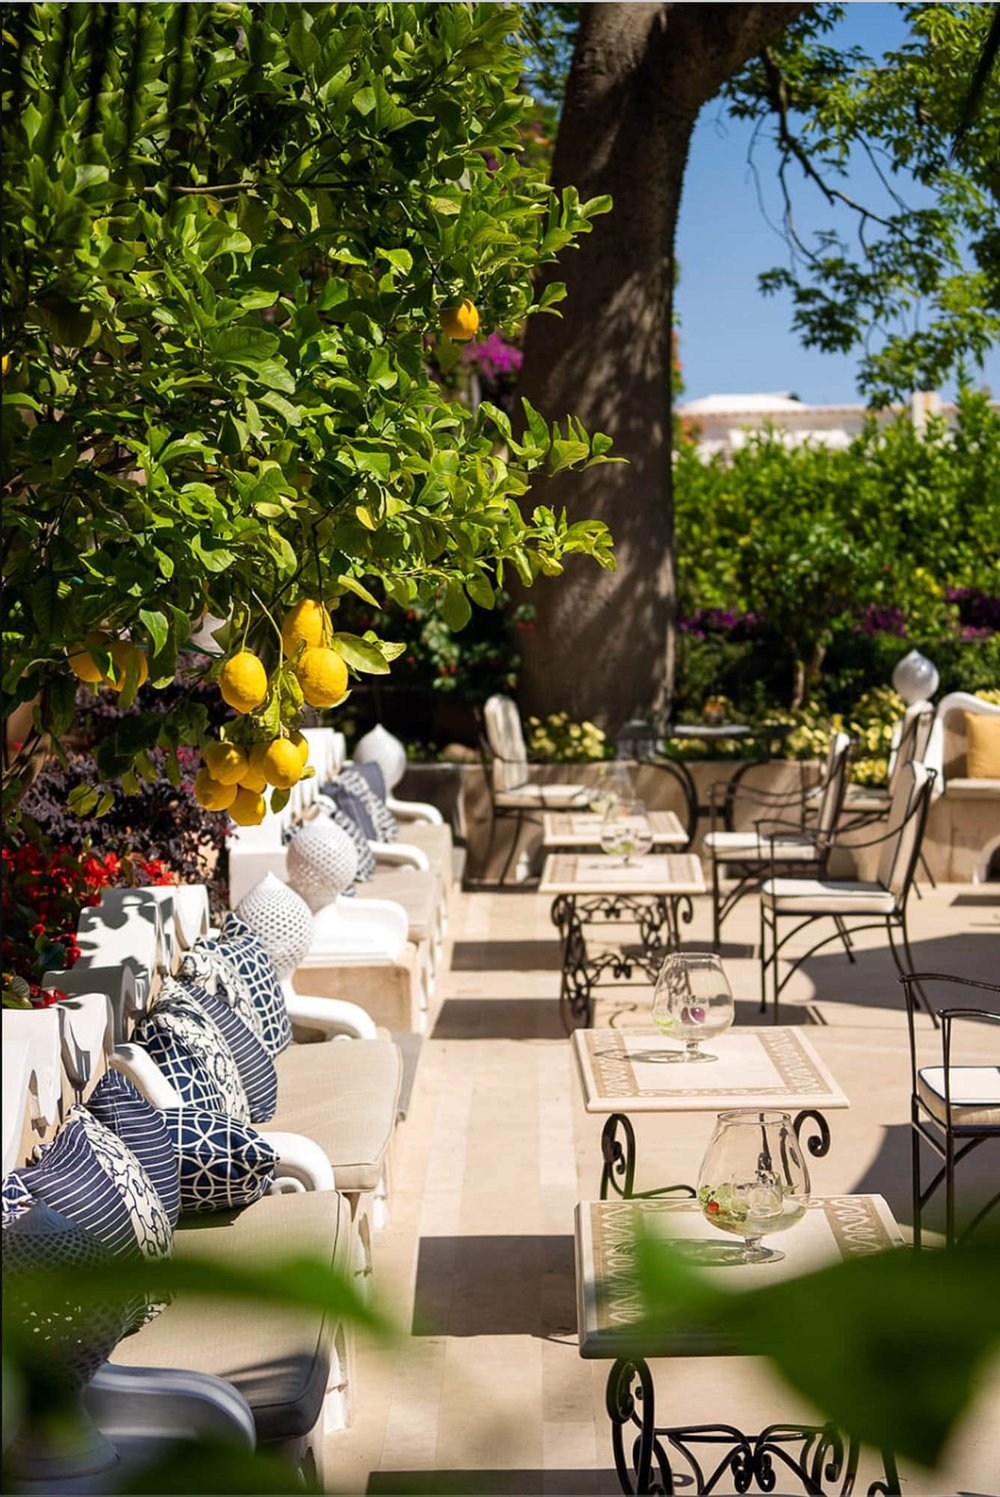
(322, 863)
(381, 748)
(282, 922)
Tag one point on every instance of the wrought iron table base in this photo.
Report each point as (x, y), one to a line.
(817, 1456)
(659, 918)
(618, 1153)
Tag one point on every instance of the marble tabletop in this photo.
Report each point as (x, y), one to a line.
(597, 873)
(572, 829)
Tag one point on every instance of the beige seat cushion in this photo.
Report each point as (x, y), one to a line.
(966, 789)
(975, 1095)
(816, 896)
(416, 889)
(435, 840)
(344, 1095)
(738, 845)
(279, 1359)
(532, 796)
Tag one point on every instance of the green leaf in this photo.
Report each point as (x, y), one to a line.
(156, 627)
(480, 591)
(82, 799)
(291, 413)
(362, 654)
(352, 585)
(455, 607)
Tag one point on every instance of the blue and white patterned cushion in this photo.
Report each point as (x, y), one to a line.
(206, 967)
(116, 1103)
(254, 1063)
(190, 1050)
(351, 805)
(17, 1198)
(73, 1340)
(242, 950)
(366, 858)
(89, 1176)
(223, 1164)
(357, 783)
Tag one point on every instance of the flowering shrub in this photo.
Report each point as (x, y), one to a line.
(565, 742)
(45, 886)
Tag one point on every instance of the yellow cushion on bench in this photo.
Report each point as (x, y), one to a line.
(983, 753)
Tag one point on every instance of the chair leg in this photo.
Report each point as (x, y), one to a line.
(716, 917)
(911, 968)
(949, 1190)
(515, 844)
(915, 1166)
(763, 960)
(845, 936)
(489, 846)
(927, 869)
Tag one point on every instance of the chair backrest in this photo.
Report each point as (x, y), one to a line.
(505, 742)
(910, 738)
(949, 739)
(904, 834)
(834, 785)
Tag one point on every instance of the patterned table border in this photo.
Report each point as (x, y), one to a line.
(614, 1074)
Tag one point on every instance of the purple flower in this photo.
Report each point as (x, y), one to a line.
(494, 357)
(878, 618)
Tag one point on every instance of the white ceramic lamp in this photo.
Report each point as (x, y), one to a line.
(322, 863)
(281, 921)
(381, 748)
(915, 678)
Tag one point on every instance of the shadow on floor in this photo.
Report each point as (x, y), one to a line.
(873, 982)
(507, 956)
(499, 1019)
(493, 1483)
(889, 1175)
(495, 1286)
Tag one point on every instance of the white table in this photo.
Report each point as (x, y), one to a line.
(653, 892)
(623, 1071)
(578, 830)
(611, 1326)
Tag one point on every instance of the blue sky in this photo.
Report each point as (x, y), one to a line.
(732, 338)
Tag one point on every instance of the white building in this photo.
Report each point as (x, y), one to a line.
(722, 423)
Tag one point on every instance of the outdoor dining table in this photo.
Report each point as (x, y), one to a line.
(639, 1070)
(612, 1326)
(653, 892)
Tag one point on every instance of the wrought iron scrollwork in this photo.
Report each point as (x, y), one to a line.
(818, 1143)
(659, 919)
(818, 1457)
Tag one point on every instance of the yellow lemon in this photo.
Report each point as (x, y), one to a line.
(5, 365)
(243, 682)
(462, 322)
(210, 794)
(323, 677)
(302, 744)
(279, 762)
(252, 780)
(308, 623)
(226, 762)
(248, 808)
(122, 653)
(83, 664)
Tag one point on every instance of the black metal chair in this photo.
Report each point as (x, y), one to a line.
(879, 903)
(776, 844)
(953, 1108)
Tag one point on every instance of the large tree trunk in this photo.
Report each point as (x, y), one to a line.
(603, 643)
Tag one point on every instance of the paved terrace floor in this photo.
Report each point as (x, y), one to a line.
(486, 1393)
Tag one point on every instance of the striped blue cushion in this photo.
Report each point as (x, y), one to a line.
(244, 952)
(191, 1051)
(357, 782)
(89, 1176)
(116, 1103)
(223, 1163)
(254, 1063)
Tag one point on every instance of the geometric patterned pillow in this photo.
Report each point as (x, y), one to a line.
(339, 817)
(72, 1338)
(353, 806)
(206, 967)
(223, 1164)
(256, 1068)
(190, 1050)
(17, 1198)
(242, 950)
(356, 783)
(116, 1103)
(88, 1175)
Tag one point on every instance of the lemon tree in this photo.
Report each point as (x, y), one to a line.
(240, 244)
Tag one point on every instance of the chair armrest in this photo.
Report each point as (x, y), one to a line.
(333, 1017)
(414, 810)
(400, 854)
(167, 1403)
(145, 1075)
(302, 1165)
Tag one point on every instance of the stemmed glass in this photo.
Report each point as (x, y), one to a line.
(625, 830)
(614, 784)
(692, 1000)
(754, 1180)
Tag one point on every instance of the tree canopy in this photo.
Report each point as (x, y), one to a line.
(230, 234)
